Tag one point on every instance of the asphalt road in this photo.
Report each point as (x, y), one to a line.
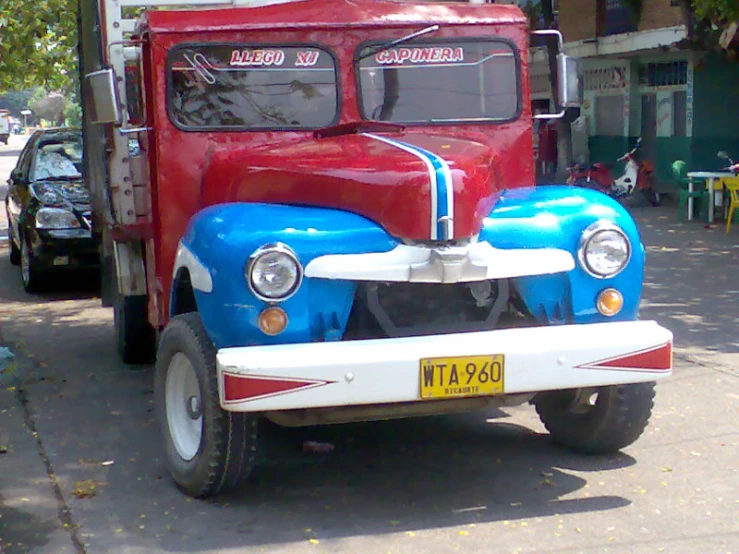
(79, 422)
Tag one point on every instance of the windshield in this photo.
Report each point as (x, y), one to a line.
(58, 160)
(440, 82)
(233, 86)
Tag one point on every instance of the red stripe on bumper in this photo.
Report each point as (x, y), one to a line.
(238, 388)
(654, 359)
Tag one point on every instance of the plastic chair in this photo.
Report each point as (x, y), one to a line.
(699, 194)
(732, 187)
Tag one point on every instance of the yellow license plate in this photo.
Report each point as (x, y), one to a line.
(462, 376)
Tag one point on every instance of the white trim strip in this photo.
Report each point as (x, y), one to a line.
(476, 262)
(199, 275)
(433, 235)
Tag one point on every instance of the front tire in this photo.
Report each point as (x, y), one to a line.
(31, 275)
(15, 252)
(209, 450)
(597, 421)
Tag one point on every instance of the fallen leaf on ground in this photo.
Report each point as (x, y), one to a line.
(86, 489)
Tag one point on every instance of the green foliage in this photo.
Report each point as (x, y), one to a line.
(39, 44)
(716, 11)
(16, 101)
(72, 115)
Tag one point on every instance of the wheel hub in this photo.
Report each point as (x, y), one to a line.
(584, 400)
(193, 407)
(183, 406)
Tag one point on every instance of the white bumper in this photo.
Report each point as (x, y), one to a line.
(379, 371)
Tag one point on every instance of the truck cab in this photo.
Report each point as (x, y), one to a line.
(324, 211)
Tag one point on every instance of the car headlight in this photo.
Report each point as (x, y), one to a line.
(55, 218)
(273, 273)
(48, 195)
(604, 250)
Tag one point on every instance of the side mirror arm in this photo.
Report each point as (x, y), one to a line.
(569, 85)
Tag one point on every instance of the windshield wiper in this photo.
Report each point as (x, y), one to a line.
(388, 45)
(61, 178)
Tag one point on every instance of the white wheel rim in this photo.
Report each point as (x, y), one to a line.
(25, 263)
(183, 406)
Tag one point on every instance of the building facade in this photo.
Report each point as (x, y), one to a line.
(639, 81)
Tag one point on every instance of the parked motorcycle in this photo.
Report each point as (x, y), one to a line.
(733, 166)
(636, 177)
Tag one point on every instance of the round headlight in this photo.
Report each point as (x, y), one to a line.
(273, 273)
(604, 250)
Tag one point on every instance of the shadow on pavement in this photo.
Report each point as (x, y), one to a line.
(22, 532)
(383, 477)
(691, 284)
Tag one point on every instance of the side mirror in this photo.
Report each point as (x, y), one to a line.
(570, 86)
(107, 108)
(723, 155)
(17, 177)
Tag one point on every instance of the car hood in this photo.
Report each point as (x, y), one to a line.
(418, 187)
(53, 193)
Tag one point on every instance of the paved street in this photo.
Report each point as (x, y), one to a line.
(83, 471)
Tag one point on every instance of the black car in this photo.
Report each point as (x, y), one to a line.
(48, 207)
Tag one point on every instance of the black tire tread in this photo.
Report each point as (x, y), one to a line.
(36, 278)
(15, 252)
(617, 420)
(231, 455)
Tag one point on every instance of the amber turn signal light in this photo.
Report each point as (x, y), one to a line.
(609, 302)
(272, 321)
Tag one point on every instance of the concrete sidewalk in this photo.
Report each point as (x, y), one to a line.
(31, 512)
(33, 516)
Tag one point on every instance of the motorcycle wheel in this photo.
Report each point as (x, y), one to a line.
(652, 196)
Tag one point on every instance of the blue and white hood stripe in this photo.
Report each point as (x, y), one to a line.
(441, 226)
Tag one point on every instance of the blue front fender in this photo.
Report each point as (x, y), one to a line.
(555, 217)
(223, 237)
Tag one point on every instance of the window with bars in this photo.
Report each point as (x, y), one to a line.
(604, 78)
(660, 74)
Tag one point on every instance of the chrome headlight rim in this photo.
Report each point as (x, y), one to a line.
(591, 232)
(58, 219)
(272, 248)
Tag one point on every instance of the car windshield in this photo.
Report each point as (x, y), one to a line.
(58, 160)
(428, 82)
(226, 87)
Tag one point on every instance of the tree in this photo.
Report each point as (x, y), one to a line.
(49, 107)
(39, 44)
(712, 24)
(17, 101)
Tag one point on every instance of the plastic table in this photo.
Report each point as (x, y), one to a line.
(710, 177)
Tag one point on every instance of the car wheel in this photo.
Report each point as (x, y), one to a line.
(32, 277)
(209, 450)
(15, 252)
(135, 337)
(599, 420)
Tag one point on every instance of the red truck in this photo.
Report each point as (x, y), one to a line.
(324, 211)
